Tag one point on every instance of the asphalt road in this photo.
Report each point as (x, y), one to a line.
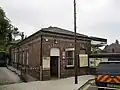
(8, 77)
(92, 86)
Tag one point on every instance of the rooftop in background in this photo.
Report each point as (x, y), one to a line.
(113, 48)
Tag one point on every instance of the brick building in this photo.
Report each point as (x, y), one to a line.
(49, 53)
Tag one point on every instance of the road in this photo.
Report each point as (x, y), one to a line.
(8, 77)
(91, 86)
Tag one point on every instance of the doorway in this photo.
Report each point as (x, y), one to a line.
(55, 62)
(54, 66)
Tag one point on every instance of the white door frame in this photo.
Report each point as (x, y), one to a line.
(58, 54)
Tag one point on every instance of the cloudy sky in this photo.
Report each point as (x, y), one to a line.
(94, 17)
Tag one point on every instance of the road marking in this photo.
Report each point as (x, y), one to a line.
(105, 88)
(86, 87)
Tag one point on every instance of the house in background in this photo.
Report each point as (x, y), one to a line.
(112, 48)
(109, 53)
(49, 53)
(113, 51)
(96, 44)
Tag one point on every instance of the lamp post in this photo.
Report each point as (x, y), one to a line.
(75, 58)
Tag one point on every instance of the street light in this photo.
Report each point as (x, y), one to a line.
(75, 58)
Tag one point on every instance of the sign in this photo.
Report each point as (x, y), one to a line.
(83, 60)
(46, 63)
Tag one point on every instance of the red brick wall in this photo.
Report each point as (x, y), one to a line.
(33, 48)
(62, 45)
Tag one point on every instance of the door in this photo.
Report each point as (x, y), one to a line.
(54, 66)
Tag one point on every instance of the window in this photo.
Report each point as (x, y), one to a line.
(70, 57)
(15, 57)
(23, 58)
(20, 58)
(27, 57)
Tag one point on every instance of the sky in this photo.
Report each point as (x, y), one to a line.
(99, 18)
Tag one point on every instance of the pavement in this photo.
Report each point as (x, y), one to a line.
(8, 77)
(59, 84)
(26, 77)
(14, 70)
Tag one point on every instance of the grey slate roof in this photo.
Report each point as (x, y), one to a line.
(61, 31)
(109, 48)
(56, 30)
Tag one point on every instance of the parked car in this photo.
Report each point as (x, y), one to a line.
(108, 75)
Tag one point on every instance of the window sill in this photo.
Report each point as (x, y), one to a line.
(72, 67)
(69, 67)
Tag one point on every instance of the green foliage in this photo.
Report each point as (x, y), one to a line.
(7, 30)
(4, 24)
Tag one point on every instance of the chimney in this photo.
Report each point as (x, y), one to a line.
(117, 42)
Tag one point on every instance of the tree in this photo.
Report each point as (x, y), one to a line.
(7, 30)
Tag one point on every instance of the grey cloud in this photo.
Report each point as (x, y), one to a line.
(94, 17)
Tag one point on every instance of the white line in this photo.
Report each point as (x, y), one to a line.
(105, 87)
(86, 87)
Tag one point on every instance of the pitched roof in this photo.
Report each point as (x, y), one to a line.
(61, 31)
(55, 30)
(113, 47)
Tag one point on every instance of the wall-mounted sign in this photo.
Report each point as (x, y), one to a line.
(83, 60)
(46, 63)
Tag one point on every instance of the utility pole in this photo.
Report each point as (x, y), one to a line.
(75, 58)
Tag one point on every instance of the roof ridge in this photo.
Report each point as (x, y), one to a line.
(64, 30)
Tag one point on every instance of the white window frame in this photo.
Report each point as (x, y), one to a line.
(70, 49)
